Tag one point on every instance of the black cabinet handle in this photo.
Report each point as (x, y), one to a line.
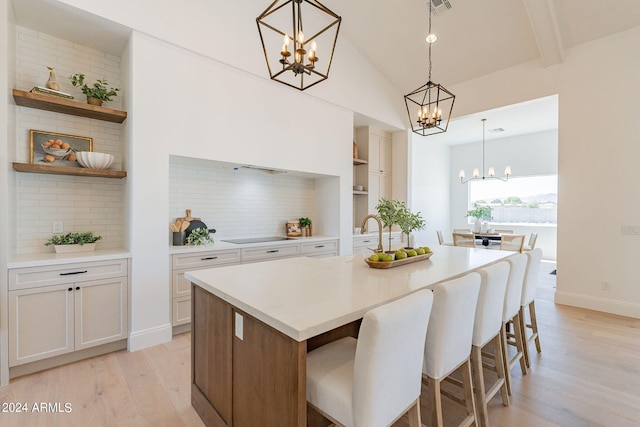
(70, 289)
(319, 246)
(73, 272)
(273, 251)
(208, 258)
(77, 288)
(366, 241)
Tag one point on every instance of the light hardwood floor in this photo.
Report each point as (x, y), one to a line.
(588, 374)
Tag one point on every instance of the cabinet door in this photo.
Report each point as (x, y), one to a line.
(40, 323)
(385, 156)
(379, 154)
(100, 312)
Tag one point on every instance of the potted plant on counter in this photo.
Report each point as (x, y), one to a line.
(305, 223)
(409, 222)
(479, 212)
(388, 211)
(200, 236)
(73, 242)
(97, 93)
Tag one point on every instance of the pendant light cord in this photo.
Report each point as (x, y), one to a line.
(430, 6)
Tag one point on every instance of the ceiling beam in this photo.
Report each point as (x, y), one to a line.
(544, 23)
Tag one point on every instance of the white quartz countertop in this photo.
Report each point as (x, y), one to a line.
(220, 244)
(43, 259)
(304, 297)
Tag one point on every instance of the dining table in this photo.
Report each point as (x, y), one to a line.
(253, 324)
(487, 237)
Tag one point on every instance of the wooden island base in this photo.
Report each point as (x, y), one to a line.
(263, 373)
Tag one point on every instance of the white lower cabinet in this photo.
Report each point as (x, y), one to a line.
(364, 244)
(52, 320)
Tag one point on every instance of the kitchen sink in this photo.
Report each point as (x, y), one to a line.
(257, 239)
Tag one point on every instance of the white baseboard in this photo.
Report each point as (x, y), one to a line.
(621, 308)
(150, 337)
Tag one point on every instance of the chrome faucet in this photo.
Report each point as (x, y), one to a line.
(363, 229)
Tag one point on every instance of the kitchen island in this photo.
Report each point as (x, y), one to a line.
(252, 325)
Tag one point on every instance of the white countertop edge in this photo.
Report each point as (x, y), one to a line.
(219, 245)
(44, 259)
(298, 335)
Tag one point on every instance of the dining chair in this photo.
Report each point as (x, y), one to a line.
(441, 239)
(512, 242)
(486, 330)
(464, 239)
(449, 338)
(503, 231)
(534, 258)
(511, 317)
(374, 380)
(531, 244)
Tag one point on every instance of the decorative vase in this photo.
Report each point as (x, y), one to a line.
(485, 227)
(94, 101)
(65, 249)
(477, 226)
(52, 83)
(310, 228)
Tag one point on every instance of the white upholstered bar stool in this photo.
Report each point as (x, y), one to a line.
(534, 258)
(448, 342)
(511, 316)
(374, 380)
(441, 239)
(512, 242)
(467, 240)
(486, 330)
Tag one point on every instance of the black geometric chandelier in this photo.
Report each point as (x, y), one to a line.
(294, 53)
(429, 107)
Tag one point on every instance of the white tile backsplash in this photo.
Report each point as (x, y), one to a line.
(238, 203)
(82, 203)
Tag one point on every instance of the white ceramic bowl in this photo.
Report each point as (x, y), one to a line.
(93, 160)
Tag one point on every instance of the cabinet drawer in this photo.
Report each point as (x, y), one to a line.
(364, 242)
(181, 310)
(205, 259)
(34, 277)
(269, 252)
(317, 247)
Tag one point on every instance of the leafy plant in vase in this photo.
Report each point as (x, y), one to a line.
(199, 236)
(388, 211)
(305, 223)
(479, 212)
(97, 93)
(409, 222)
(73, 242)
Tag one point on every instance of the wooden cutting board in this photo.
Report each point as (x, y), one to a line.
(188, 217)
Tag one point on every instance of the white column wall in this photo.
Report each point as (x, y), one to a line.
(597, 161)
(212, 111)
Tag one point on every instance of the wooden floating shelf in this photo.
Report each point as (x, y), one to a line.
(66, 170)
(360, 162)
(359, 193)
(68, 106)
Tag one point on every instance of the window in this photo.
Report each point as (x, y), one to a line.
(526, 200)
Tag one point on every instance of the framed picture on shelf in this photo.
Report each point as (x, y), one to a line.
(56, 149)
(293, 228)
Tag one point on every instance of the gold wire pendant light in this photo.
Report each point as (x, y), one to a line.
(429, 107)
(295, 54)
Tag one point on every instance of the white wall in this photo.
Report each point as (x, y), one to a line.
(212, 111)
(597, 161)
(528, 155)
(430, 187)
(239, 203)
(226, 30)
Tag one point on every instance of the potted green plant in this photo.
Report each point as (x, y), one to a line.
(480, 212)
(409, 222)
(73, 242)
(96, 93)
(305, 223)
(199, 236)
(388, 211)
